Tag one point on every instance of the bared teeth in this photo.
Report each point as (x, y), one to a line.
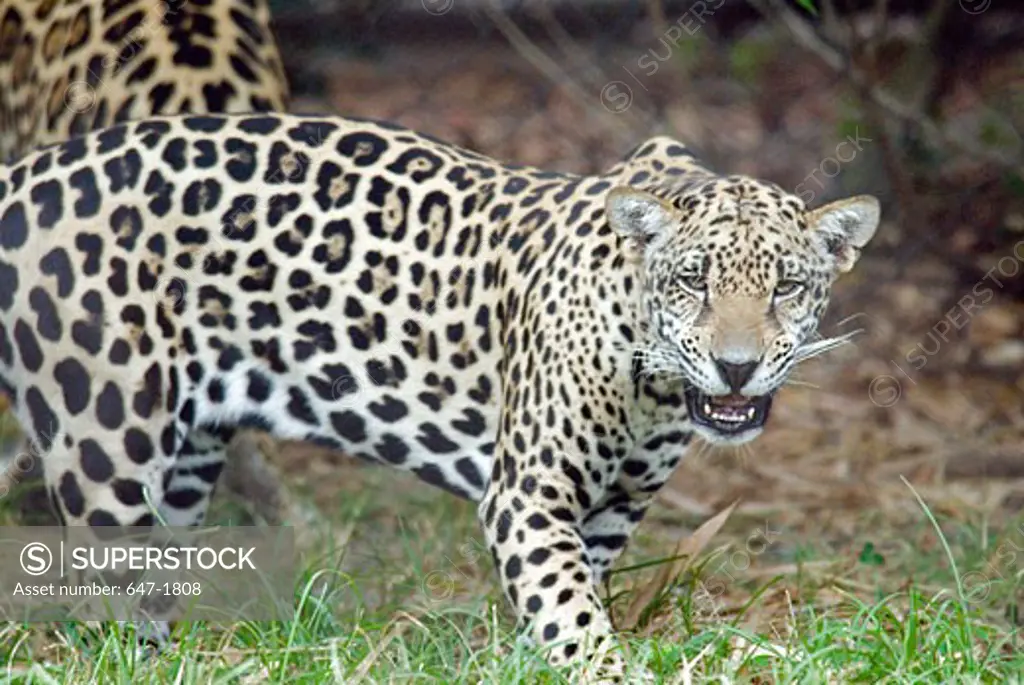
(729, 414)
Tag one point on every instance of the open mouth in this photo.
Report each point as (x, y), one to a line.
(728, 414)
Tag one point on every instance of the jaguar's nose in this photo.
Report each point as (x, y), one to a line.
(736, 375)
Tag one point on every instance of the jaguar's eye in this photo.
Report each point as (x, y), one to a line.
(694, 282)
(788, 289)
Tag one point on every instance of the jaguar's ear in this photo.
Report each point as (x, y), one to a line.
(845, 227)
(637, 214)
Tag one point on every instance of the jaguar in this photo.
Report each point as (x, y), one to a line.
(545, 344)
(68, 67)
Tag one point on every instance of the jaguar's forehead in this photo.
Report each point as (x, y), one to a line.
(740, 232)
(738, 202)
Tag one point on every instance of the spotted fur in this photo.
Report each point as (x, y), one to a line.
(518, 337)
(73, 66)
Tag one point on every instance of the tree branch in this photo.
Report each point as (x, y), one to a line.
(807, 37)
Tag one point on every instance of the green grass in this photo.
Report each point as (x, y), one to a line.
(400, 589)
(907, 637)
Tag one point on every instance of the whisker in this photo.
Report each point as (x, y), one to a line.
(706, 449)
(743, 454)
(814, 349)
(801, 384)
(851, 317)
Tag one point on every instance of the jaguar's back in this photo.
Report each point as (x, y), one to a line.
(272, 270)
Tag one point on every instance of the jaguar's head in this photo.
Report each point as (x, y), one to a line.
(736, 276)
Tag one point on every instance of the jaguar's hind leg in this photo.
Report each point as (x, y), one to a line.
(105, 480)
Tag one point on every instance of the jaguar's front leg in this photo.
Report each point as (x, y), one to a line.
(532, 515)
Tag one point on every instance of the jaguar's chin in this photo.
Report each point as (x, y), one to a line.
(728, 419)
